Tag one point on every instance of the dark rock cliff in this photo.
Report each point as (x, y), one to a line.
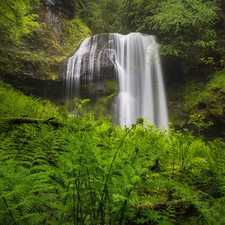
(92, 73)
(106, 70)
(52, 12)
(33, 66)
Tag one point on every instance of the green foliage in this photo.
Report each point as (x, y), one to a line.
(100, 15)
(185, 29)
(209, 60)
(14, 104)
(134, 13)
(206, 99)
(93, 172)
(103, 105)
(37, 48)
(193, 19)
(81, 106)
(15, 18)
(198, 121)
(75, 31)
(150, 215)
(191, 93)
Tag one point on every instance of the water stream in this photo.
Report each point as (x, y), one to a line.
(136, 59)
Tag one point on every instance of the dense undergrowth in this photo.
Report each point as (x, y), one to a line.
(88, 171)
(206, 99)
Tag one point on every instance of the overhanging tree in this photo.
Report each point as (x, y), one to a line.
(185, 28)
(16, 19)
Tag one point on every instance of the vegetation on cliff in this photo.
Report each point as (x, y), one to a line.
(16, 19)
(191, 30)
(207, 99)
(89, 171)
(101, 16)
(38, 48)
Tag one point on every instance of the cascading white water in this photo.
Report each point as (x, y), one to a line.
(141, 89)
(140, 77)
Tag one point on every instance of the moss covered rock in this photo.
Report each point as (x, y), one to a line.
(207, 99)
(38, 55)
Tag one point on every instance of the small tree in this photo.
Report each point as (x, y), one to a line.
(198, 121)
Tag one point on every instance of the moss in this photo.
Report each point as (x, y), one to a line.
(103, 105)
(177, 121)
(53, 75)
(23, 62)
(40, 53)
(15, 104)
(111, 87)
(207, 99)
(75, 31)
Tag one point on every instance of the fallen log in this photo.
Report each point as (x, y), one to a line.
(158, 205)
(21, 120)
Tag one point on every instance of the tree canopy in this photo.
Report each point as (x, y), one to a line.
(187, 29)
(16, 19)
(100, 15)
(183, 27)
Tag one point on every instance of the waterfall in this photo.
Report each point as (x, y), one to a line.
(136, 59)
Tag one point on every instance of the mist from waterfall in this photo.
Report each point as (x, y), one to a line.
(136, 58)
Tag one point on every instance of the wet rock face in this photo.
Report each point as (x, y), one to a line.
(92, 61)
(90, 71)
(52, 12)
(92, 78)
(46, 89)
(34, 70)
(104, 67)
(60, 7)
(106, 71)
(99, 87)
(177, 107)
(62, 70)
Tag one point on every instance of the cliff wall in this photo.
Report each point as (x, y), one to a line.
(32, 65)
